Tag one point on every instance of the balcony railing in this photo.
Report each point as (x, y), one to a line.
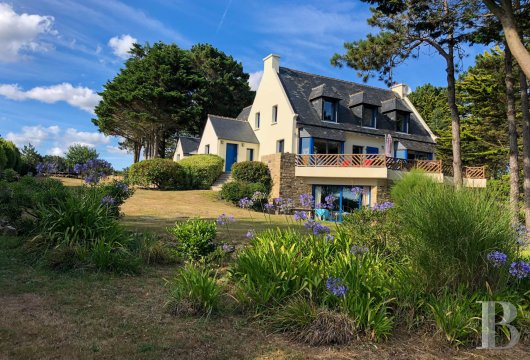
(382, 161)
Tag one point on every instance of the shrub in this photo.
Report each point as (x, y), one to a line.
(114, 195)
(163, 174)
(451, 231)
(10, 175)
(202, 170)
(3, 158)
(236, 190)
(195, 237)
(194, 291)
(152, 249)
(294, 316)
(12, 154)
(253, 172)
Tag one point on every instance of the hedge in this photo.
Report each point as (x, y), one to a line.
(202, 170)
(253, 172)
(163, 174)
(236, 190)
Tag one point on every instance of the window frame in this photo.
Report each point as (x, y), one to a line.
(280, 146)
(207, 148)
(373, 118)
(257, 120)
(406, 122)
(275, 114)
(335, 108)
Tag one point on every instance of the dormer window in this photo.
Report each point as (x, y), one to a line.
(329, 110)
(402, 121)
(369, 116)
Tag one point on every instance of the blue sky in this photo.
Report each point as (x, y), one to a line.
(57, 54)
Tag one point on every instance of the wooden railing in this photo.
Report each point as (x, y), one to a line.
(382, 161)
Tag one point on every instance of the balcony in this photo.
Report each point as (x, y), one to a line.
(377, 166)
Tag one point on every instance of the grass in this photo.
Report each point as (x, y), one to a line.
(72, 315)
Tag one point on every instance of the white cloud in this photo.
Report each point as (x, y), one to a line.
(21, 32)
(254, 79)
(32, 134)
(72, 136)
(56, 151)
(121, 45)
(80, 97)
(116, 150)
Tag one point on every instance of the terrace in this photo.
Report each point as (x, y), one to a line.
(378, 166)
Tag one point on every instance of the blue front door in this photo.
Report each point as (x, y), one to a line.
(231, 156)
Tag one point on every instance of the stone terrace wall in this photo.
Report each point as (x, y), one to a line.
(285, 183)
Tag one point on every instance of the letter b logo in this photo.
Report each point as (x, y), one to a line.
(488, 324)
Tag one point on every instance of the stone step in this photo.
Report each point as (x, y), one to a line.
(221, 180)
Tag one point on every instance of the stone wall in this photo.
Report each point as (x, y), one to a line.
(383, 190)
(284, 182)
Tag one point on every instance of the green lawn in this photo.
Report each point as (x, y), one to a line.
(76, 315)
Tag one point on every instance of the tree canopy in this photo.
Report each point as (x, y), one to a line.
(80, 154)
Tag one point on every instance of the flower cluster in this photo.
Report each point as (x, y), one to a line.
(224, 219)
(383, 206)
(94, 170)
(497, 258)
(46, 168)
(284, 205)
(522, 235)
(250, 234)
(258, 196)
(123, 187)
(306, 200)
(246, 203)
(300, 215)
(336, 286)
(330, 201)
(330, 238)
(268, 207)
(519, 269)
(108, 200)
(356, 190)
(358, 250)
(317, 228)
(310, 224)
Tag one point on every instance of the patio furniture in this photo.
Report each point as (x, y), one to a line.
(322, 214)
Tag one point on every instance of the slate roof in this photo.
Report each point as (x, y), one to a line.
(300, 87)
(233, 129)
(189, 144)
(245, 113)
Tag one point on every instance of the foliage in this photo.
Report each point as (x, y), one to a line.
(30, 158)
(194, 291)
(450, 232)
(163, 174)
(253, 172)
(3, 158)
(9, 175)
(116, 192)
(93, 171)
(151, 249)
(164, 90)
(57, 162)
(236, 190)
(202, 170)
(195, 237)
(12, 154)
(80, 154)
(431, 102)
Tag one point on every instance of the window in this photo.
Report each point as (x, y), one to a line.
(402, 121)
(275, 114)
(178, 157)
(329, 110)
(357, 149)
(305, 144)
(206, 149)
(250, 154)
(322, 146)
(257, 121)
(280, 146)
(369, 116)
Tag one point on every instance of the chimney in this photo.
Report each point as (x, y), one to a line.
(401, 90)
(272, 62)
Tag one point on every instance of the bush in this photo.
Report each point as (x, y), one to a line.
(195, 237)
(114, 195)
(451, 231)
(253, 172)
(10, 175)
(152, 249)
(202, 170)
(234, 191)
(12, 154)
(194, 291)
(163, 174)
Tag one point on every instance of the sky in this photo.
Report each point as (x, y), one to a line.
(56, 54)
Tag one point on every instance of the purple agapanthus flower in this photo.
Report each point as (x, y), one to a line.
(336, 287)
(224, 219)
(250, 234)
(497, 258)
(108, 200)
(330, 201)
(300, 215)
(122, 186)
(320, 229)
(383, 206)
(258, 196)
(329, 238)
(519, 269)
(358, 250)
(91, 179)
(522, 234)
(268, 207)
(357, 190)
(306, 200)
(310, 224)
(246, 203)
(40, 167)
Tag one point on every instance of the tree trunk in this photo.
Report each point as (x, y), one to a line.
(512, 134)
(526, 146)
(455, 118)
(505, 15)
(137, 149)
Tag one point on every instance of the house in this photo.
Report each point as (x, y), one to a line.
(328, 136)
(186, 146)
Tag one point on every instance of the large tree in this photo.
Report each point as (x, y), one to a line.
(80, 154)
(407, 26)
(165, 91)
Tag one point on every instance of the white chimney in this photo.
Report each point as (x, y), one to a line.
(401, 90)
(272, 62)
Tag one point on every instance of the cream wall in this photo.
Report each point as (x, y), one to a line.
(178, 151)
(360, 140)
(209, 138)
(241, 149)
(271, 92)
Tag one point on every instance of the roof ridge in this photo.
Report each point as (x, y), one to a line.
(331, 78)
(227, 118)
